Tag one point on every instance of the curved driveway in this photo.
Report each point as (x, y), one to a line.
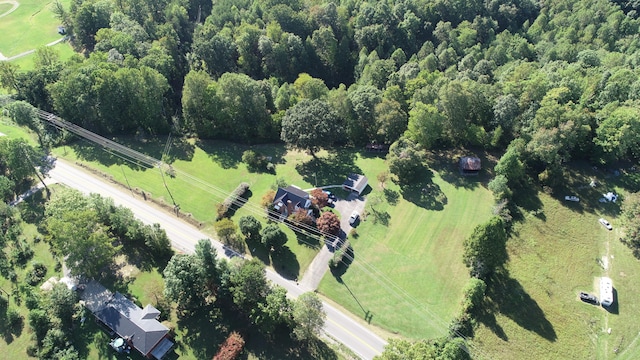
(339, 326)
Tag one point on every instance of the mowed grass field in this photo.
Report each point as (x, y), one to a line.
(408, 275)
(558, 251)
(31, 25)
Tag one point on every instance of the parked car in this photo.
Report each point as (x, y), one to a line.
(330, 195)
(588, 298)
(572, 198)
(353, 218)
(605, 223)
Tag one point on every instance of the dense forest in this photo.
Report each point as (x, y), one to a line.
(559, 76)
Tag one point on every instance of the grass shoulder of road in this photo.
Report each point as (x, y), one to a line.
(559, 250)
(31, 25)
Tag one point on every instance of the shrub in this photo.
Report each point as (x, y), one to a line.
(36, 274)
(255, 161)
(230, 348)
(267, 198)
(14, 319)
(461, 326)
(21, 253)
(235, 198)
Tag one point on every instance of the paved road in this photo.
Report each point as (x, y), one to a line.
(320, 264)
(183, 236)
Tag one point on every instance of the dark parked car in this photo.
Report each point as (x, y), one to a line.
(330, 195)
(588, 298)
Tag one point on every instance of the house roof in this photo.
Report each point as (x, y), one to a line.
(470, 163)
(293, 194)
(356, 182)
(124, 317)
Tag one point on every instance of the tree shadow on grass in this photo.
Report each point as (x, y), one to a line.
(32, 208)
(527, 199)
(344, 257)
(309, 240)
(285, 263)
(331, 170)
(280, 345)
(509, 298)
(90, 334)
(204, 330)
(91, 152)
(257, 250)
(226, 154)
(140, 256)
(391, 196)
(426, 195)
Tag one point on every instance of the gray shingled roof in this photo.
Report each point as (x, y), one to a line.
(297, 196)
(124, 317)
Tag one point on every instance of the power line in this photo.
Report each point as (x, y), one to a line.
(138, 158)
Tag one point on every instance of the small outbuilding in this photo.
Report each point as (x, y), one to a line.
(356, 183)
(470, 165)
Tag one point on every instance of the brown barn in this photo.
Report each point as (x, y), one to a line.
(470, 165)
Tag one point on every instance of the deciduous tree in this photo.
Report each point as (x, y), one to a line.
(273, 237)
(250, 227)
(328, 223)
(184, 280)
(405, 161)
(485, 250)
(310, 125)
(308, 315)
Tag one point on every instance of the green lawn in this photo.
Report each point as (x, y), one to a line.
(64, 50)
(31, 25)
(14, 132)
(555, 253)
(408, 274)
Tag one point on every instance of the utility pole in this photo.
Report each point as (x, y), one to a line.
(127, 180)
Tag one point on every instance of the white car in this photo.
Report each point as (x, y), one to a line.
(605, 223)
(353, 218)
(572, 198)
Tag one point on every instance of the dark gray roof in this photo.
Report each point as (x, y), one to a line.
(124, 317)
(95, 296)
(356, 181)
(293, 194)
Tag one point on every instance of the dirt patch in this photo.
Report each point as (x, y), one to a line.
(124, 269)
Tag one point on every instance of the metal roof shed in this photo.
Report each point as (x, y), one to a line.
(356, 183)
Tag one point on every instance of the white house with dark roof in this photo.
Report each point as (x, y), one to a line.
(139, 327)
